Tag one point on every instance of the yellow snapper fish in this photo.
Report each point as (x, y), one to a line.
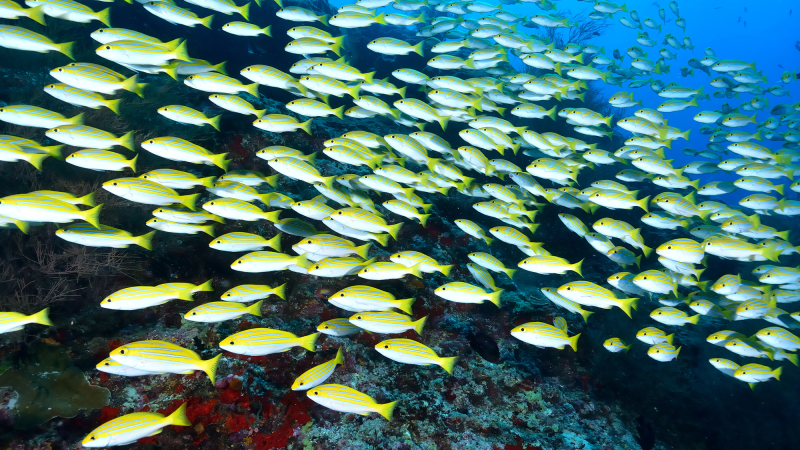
(89, 137)
(245, 242)
(663, 352)
(214, 312)
(408, 351)
(348, 400)
(550, 265)
(544, 335)
(177, 149)
(387, 322)
(672, 316)
(264, 261)
(11, 10)
(756, 373)
(148, 192)
(103, 236)
(427, 264)
(140, 297)
(13, 321)
(163, 357)
(251, 292)
(131, 427)
(653, 336)
(318, 374)
(108, 365)
(101, 160)
(338, 327)
(460, 292)
(266, 341)
(615, 345)
(590, 294)
(19, 38)
(36, 208)
(490, 262)
(367, 298)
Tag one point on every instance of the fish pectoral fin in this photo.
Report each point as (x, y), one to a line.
(156, 432)
(188, 372)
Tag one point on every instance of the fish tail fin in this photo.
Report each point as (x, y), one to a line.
(585, 314)
(494, 297)
(189, 200)
(793, 359)
(386, 409)
(777, 372)
(206, 21)
(244, 11)
(445, 270)
(363, 250)
(443, 121)
(104, 16)
(643, 203)
(126, 140)
(302, 261)
(145, 241)
(273, 216)
(339, 112)
(205, 287)
(695, 319)
(23, 226)
(36, 14)
(275, 242)
(113, 105)
(339, 359)
(324, 19)
(626, 304)
(573, 342)
(179, 417)
(252, 89)
(131, 84)
(670, 338)
(448, 363)
(220, 161)
(416, 270)
(382, 239)
(419, 324)
(220, 67)
(418, 49)
(405, 304)
(423, 219)
(214, 121)
(67, 48)
(368, 77)
(216, 218)
(771, 253)
(280, 291)
(207, 181)
(210, 368)
(93, 215)
(255, 309)
(510, 273)
(208, 229)
(36, 160)
(394, 229)
(353, 91)
(577, 267)
(308, 342)
(380, 18)
(42, 317)
(87, 199)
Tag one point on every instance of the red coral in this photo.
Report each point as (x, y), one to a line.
(103, 377)
(112, 345)
(278, 439)
(198, 411)
(236, 146)
(297, 411)
(107, 413)
(236, 423)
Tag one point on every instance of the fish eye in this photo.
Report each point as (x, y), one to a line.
(122, 352)
(230, 343)
(115, 184)
(316, 393)
(240, 262)
(92, 438)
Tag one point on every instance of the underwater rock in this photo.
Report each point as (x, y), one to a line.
(48, 386)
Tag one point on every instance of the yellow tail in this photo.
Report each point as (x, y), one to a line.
(36, 14)
(36, 159)
(280, 291)
(307, 342)
(419, 324)
(416, 270)
(275, 242)
(179, 416)
(210, 367)
(104, 16)
(577, 267)
(394, 229)
(145, 241)
(189, 200)
(386, 410)
(214, 121)
(205, 287)
(93, 215)
(494, 297)
(448, 363)
(339, 357)
(181, 53)
(42, 317)
(126, 140)
(113, 105)
(220, 161)
(206, 21)
(208, 229)
(256, 308)
(306, 126)
(405, 304)
(363, 250)
(445, 270)
(573, 342)
(625, 304)
(66, 48)
(245, 11)
(273, 216)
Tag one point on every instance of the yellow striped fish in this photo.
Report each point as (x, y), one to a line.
(427, 264)
(550, 264)
(317, 375)
(160, 356)
(35, 208)
(235, 209)
(338, 327)
(346, 399)
(184, 114)
(266, 341)
(408, 351)
(89, 137)
(220, 311)
(148, 192)
(13, 321)
(131, 427)
(263, 261)
(245, 242)
(387, 322)
(177, 149)
(101, 160)
(543, 335)
(251, 292)
(590, 294)
(103, 236)
(368, 298)
(460, 292)
(21, 39)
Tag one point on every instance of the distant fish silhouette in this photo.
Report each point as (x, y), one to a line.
(797, 46)
(745, 24)
(740, 19)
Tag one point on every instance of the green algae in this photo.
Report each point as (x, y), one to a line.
(48, 386)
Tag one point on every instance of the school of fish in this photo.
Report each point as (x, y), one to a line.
(403, 165)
